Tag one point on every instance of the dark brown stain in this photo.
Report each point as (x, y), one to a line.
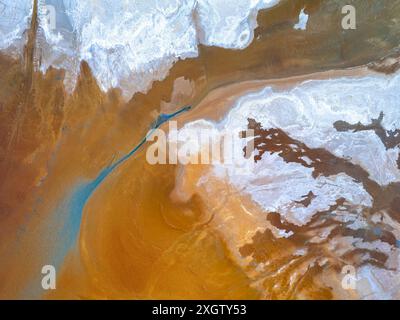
(390, 138)
(321, 161)
(307, 199)
(398, 161)
(268, 249)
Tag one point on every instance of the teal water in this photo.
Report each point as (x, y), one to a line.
(71, 210)
(79, 198)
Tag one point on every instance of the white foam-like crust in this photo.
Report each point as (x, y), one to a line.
(307, 113)
(378, 284)
(130, 44)
(229, 24)
(14, 20)
(303, 19)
